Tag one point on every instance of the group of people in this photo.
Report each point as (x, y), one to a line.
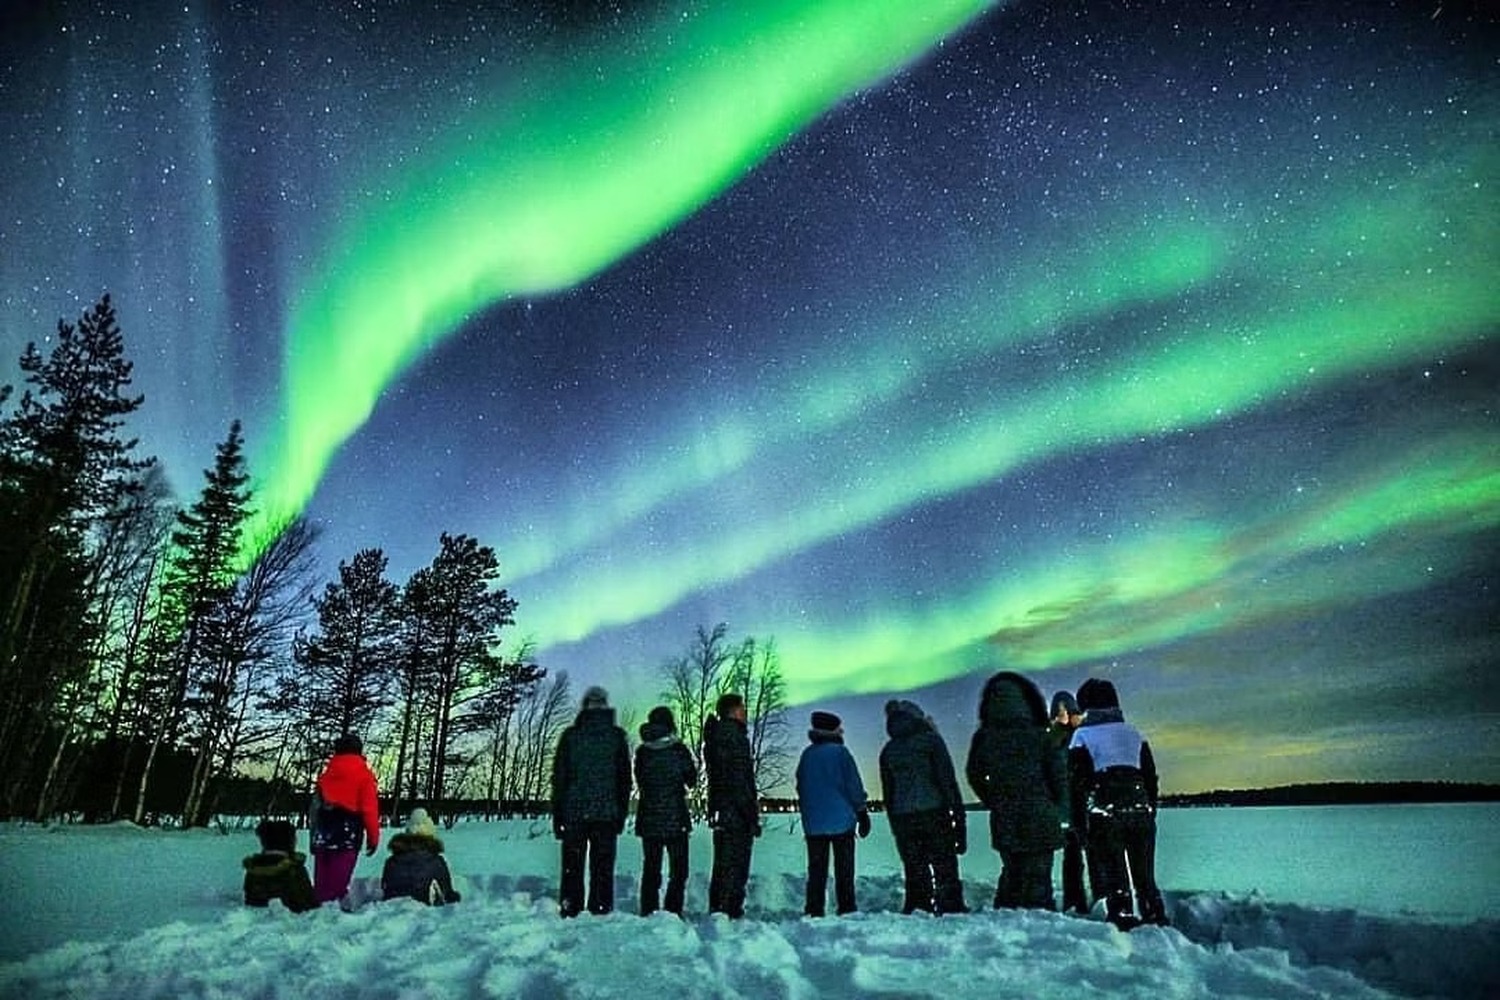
(344, 812)
(1078, 779)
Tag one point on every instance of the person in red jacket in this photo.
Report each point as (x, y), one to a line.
(345, 810)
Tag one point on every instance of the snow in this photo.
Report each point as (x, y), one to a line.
(123, 912)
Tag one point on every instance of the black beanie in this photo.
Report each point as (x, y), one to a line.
(348, 743)
(1097, 693)
(277, 835)
(826, 722)
(661, 715)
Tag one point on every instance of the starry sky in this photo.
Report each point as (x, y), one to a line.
(1152, 341)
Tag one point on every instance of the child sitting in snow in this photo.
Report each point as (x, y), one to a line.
(416, 867)
(278, 871)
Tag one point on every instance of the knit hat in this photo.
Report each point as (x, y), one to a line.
(661, 715)
(277, 835)
(1064, 700)
(728, 703)
(596, 697)
(420, 824)
(349, 743)
(1097, 693)
(827, 722)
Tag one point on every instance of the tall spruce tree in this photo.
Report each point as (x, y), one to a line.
(193, 615)
(64, 467)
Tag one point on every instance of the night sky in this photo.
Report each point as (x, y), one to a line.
(1154, 341)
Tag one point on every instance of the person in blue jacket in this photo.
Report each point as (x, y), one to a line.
(831, 798)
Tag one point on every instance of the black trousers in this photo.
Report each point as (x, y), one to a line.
(1025, 881)
(731, 871)
(818, 848)
(929, 860)
(1074, 898)
(596, 842)
(1122, 854)
(676, 850)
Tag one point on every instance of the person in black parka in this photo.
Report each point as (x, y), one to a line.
(416, 867)
(664, 771)
(926, 809)
(733, 803)
(1020, 774)
(590, 802)
(1114, 794)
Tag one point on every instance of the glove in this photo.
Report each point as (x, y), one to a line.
(862, 823)
(755, 830)
(558, 829)
(960, 831)
(714, 820)
(370, 851)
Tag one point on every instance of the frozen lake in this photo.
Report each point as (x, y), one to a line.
(1433, 860)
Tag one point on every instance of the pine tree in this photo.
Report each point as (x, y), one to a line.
(459, 615)
(64, 468)
(349, 666)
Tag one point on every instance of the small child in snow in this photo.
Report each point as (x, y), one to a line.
(416, 867)
(278, 871)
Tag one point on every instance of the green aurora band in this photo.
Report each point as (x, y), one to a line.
(1345, 287)
(1411, 280)
(622, 145)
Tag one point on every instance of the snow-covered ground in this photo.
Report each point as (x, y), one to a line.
(1265, 903)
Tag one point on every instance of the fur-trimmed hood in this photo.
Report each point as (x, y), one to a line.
(1011, 699)
(407, 843)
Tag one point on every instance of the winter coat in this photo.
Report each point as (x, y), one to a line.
(277, 875)
(1111, 767)
(733, 802)
(1016, 767)
(829, 792)
(591, 772)
(916, 771)
(346, 804)
(416, 868)
(664, 771)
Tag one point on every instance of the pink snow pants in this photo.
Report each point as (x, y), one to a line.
(332, 872)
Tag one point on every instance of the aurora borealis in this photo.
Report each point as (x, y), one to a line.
(1155, 341)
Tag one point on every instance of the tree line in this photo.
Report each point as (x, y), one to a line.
(150, 668)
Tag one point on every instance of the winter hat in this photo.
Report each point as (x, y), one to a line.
(728, 703)
(1064, 700)
(1097, 693)
(277, 835)
(348, 743)
(827, 722)
(420, 824)
(661, 716)
(596, 697)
